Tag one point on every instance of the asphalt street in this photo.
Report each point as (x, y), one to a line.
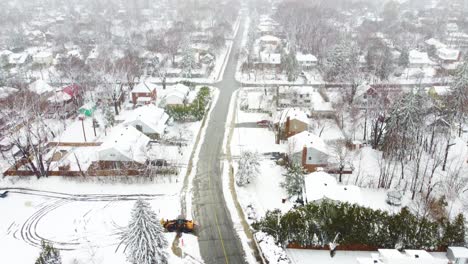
(218, 240)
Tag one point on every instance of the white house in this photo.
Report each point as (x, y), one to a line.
(178, 94)
(40, 86)
(148, 119)
(307, 61)
(270, 59)
(419, 59)
(258, 100)
(447, 55)
(458, 255)
(435, 43)
(124, 144)
(18, 58)
(270, 40)
(43, 58)
(320, 185)
(308, 150)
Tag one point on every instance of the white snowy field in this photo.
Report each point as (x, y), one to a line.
(85, 231)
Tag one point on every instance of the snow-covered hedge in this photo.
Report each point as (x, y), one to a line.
(317, 224)
(273, 253)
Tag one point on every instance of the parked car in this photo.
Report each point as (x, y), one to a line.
(3, 194)
(264, 123)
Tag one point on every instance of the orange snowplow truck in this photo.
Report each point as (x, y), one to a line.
(179, 225)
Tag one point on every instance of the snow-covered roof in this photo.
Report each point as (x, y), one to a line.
(417, 253)
(181, 88)
(42, 55)
(320, 185)
(441, 90)
(305, 57)
(270, 58)
(448, 54)
(452, 27)
(5, 53)
(152, 116)
(307, 140)
(127, 141)
(59, 97)
(40, 86)
(390, 254)
(269, 38)
(7, 91)
(18, 58)
(393, 256)
(434, 42)
(417, 57)
(144, 87)
(292, 113)
(459, 252)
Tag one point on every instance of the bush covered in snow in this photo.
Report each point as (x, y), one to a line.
(273, 253)
(316, 224)
(248, 168)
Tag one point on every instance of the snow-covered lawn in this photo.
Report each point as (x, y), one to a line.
(86, 231)
(264, 193)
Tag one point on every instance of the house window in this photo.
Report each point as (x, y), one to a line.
(139, 127)
(310, 158)
(300, 96)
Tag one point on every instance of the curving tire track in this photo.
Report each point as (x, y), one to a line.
(28, 230)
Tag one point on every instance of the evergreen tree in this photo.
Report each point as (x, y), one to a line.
(403, 61)
(454, 233)
(49, 255)
(294, 180)
(188, 63)
(290, 65)
(248, 168)
(109, 117)
(386, 67)
(143, 238)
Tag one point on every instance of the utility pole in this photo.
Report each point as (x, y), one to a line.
(82, 126)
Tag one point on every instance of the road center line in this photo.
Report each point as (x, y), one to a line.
(221, 238)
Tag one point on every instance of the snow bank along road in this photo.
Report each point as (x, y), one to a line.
(217, 238)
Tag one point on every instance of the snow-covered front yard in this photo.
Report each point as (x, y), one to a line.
(85, 231)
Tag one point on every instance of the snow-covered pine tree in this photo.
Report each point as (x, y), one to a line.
(294, 180)
(403, 61)
(109, 117)
(188, 62)
(248, 168)
(49, 255)
(143, 238)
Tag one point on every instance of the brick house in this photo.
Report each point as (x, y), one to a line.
(290, 122)
(143, 93)
(308, 150)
